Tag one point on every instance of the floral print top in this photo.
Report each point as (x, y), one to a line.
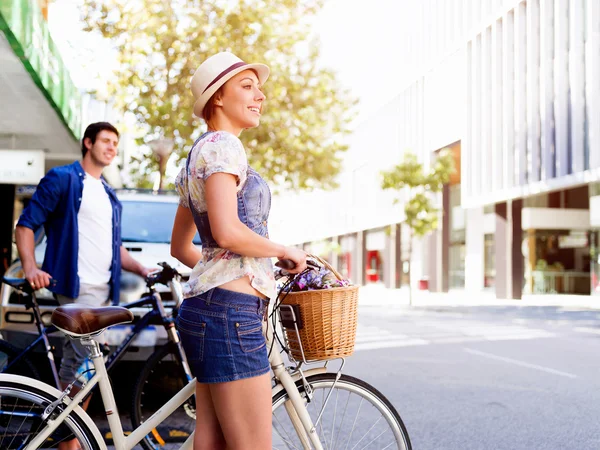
(219, 152)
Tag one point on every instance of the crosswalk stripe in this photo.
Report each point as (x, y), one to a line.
(372, 337)
(390, 344)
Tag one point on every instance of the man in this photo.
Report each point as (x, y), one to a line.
(82, 219)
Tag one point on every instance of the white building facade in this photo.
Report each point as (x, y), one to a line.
(512, 88)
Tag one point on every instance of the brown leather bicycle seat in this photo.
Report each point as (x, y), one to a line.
(80, 320)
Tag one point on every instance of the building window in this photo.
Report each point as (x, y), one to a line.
(557, 262)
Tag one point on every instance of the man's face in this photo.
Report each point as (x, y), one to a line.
(104, 150)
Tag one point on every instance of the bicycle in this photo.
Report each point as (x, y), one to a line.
(152, 375)
(305, 402)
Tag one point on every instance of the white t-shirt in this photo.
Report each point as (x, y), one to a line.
(95, 233)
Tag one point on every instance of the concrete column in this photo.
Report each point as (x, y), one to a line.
(474, 243)
(592, 55)
(475, 150)
(509, 257)
(502, 243)
(547, 159)
(358, 269)
(561, 86)
(497, 156)
(445, 240)
(517, 262)
(485, 150)
(521, 93)
(533, 90)
(388, 258)
(398, 256)
(466, 142)
(7, 206)
(508, 101)
(432, 260)
(577, 84)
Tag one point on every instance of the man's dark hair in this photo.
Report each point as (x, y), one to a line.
(92, 132)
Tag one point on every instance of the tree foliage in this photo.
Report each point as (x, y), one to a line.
(421, 214)
(161, 43)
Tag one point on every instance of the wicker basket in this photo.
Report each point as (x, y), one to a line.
(329, 318)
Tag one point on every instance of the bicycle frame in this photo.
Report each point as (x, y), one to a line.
(43, 331)
(115, 356)
(295, 407)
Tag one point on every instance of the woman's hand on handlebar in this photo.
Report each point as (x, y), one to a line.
(297, 256)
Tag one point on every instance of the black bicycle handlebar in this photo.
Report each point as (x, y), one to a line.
(164, 276)
(286, 264)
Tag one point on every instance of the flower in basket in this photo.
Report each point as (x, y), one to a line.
(317, 278)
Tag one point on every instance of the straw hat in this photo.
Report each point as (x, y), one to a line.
(214, 73)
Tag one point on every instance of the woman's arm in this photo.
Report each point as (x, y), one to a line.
(182, 245)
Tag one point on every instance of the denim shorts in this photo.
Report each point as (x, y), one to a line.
(222, 334)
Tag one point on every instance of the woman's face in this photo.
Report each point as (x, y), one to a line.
(241, 100)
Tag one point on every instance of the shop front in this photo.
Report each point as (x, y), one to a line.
(558, 260)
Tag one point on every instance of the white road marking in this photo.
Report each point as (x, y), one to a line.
(587, 330)
(520, 363)
(390, 344)
(431, 332)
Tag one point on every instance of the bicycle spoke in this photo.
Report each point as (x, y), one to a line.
(365, 435)
(21, 426)
(342, 421)
(289, 439)
(354, 424)
(9, 421)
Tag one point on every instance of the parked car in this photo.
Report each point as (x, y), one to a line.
(147, 221)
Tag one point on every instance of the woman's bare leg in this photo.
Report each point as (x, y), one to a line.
(208, 435)
(244, 411)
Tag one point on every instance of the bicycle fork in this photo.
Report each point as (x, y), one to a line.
(299, 416)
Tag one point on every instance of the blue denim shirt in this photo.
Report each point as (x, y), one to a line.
(55, 205)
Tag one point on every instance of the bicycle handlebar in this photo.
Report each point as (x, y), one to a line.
(285, 264)
(163, 276)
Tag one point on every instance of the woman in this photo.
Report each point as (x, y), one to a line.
(227, 202)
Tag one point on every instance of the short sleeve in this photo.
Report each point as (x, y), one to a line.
(182, 188)
(222, 152)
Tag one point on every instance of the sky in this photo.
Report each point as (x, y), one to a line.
(356, 42)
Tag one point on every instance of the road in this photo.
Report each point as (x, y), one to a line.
(485, 377)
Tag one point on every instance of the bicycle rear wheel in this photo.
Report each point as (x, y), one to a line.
(21, 409)
(9, 363)
(163, 377)
(356, 415)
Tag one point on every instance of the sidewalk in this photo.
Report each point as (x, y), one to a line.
(377, 295)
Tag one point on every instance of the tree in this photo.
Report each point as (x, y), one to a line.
(161, 43)
(421, 216)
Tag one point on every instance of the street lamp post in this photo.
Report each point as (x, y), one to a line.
(162, 148)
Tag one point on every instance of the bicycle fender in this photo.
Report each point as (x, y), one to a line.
(307, 373)
(56, 393)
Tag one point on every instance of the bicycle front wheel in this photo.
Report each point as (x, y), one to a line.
(355, 415)
(21, 409)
